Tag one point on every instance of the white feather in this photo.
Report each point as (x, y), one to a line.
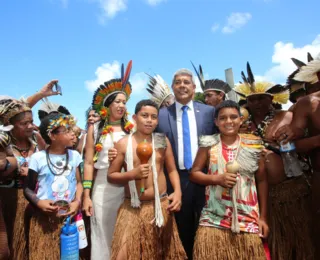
(160, 90)
(309, 72)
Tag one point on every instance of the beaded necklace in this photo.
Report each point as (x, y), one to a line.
(57, 167)
(261, 128)
(108, 129)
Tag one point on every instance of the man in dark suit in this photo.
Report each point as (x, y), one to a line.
(183, 122)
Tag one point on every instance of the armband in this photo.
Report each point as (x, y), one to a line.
(87, 184)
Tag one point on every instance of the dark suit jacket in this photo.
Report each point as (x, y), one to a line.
(205, 126)
(168, 123)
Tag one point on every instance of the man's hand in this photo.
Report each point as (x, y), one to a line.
(47, 90)
(286, 134)
(87, 206)
(227, 180)
(175, 202)
(263, 228)
(47, 206)
(112, 153)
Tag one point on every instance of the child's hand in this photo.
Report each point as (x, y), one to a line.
(263, 228)
(142, 172)
(227, 180)
(73, 209)
(47, 206)
(87, 206)
(175, 202)
(112, 153)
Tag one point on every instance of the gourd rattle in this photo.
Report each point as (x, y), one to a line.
(144, 152)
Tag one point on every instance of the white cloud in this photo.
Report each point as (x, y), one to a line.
(111, 7)
(109, 71)
(155, 2)
(104, 73)
(138, 82)
(215, 27)
(235, 21)
(283, 52)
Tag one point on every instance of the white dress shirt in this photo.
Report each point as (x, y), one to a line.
(193, 132)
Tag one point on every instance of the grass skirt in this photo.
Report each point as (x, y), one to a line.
(4, 249)
(137, 234)
(14, 205)
(221, 244)
(290, 220)
(44, 237)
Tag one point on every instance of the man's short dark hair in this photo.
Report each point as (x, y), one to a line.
(144, 103)
(227, 104)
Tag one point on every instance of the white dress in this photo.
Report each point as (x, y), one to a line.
(106, 199)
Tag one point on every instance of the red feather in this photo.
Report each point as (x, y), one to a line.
(126, 76)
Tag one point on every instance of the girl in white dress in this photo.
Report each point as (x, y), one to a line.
(103, 202)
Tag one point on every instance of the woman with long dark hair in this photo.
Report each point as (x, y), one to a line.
(110, 102)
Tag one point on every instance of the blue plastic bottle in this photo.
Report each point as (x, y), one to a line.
(69, 241)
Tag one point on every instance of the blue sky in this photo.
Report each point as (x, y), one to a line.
(83, 42)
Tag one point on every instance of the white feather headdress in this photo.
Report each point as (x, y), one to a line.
(309, 72)
(158, 89)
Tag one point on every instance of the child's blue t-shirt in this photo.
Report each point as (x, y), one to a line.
(55, 186)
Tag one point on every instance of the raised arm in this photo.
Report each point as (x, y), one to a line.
(46, 91)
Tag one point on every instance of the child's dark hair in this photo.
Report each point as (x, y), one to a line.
(44, 126)
(227, 104)
(144, 103)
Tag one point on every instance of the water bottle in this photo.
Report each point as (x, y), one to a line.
(69, 241)
(291, 163)
(82, 231)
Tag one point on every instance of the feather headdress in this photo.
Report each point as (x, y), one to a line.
(61, 120)
(110, 87)
(10, 108)
(48, 107)
(293, 84)
(250, 87)
(212, 84)
(309, 73)
(158, 89)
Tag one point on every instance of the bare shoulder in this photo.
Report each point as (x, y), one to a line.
(283, 115)
(305, 101)
(121, 145)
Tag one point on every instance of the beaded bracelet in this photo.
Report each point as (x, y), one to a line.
(87, 184)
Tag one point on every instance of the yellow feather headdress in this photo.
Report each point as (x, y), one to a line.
(249, 87)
